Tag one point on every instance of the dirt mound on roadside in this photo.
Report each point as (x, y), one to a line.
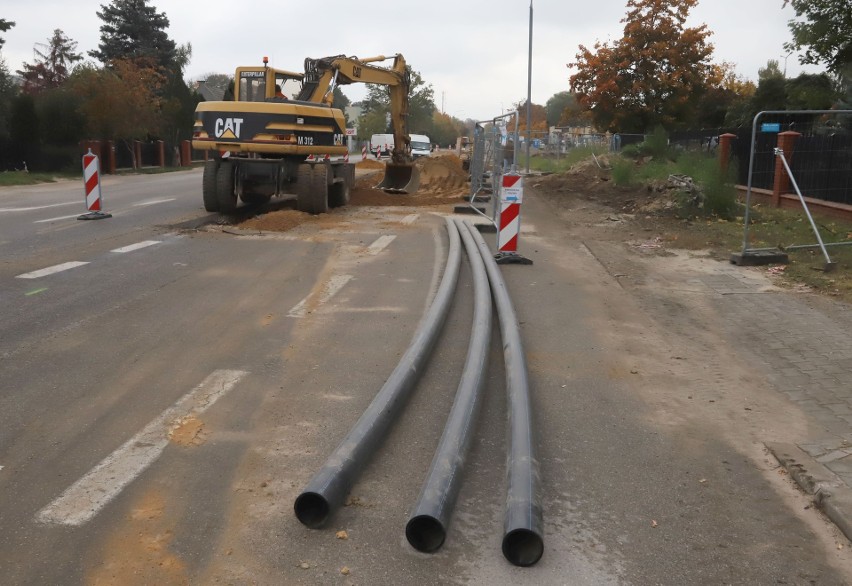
(283, 220)
(369, 164)
(591, 180)
(442, 181)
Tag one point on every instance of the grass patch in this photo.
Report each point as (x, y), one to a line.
(776, 228)
(12, 178)
(623, 172)
(564, 162)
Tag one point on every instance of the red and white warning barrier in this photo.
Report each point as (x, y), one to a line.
(510, 224)
(311, 158)
(346, 157)
(364, 152)
(511, 197)
(92, 183)
(92, 180)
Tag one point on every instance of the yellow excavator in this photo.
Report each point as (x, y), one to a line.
(279, 133)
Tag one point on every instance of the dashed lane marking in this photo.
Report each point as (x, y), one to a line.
(409, 219)
(137, 246)
(335, 284)
(380, 244)
(153, 202)
(85, 498)
(51, 270)
(44, 207)
(56, 219)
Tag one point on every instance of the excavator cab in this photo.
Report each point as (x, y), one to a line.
(258, 84)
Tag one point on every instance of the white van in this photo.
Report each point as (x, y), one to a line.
(381, 143)
(421, 146)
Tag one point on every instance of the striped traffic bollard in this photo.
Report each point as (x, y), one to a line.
(364, 152)
(92, 183)
(346, 157)
(509, 221)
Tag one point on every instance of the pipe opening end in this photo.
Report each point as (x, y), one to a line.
(523, 547)
(311, 509)
(425, 533)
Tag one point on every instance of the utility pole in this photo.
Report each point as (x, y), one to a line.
(529, 92)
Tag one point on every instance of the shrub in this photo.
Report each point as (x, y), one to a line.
(622, 172)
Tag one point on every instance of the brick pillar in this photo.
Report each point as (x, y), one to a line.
(161, 153)
(108, 164)
(781, 184)
(137, 153)
(94, 146)
(725, 141)
(185, 153)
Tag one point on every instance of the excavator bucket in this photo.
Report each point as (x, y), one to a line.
(400, 178)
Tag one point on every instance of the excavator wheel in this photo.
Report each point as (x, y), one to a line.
(344, 179)
(225, 188)
(208, 186)
(338, 194)
(312, 188)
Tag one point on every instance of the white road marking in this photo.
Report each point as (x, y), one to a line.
(335, 284)
(44, 207)
(51, 270)
(137, 246)
(380, 244)
(86, 497)
(153, 202)
(56, 219)
(410, 219)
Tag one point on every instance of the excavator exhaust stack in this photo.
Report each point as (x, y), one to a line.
(400, 178)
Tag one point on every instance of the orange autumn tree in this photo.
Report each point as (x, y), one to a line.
(538, 118)
(118, 102)
(653, 76)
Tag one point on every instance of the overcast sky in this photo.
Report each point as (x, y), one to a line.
(472, 52)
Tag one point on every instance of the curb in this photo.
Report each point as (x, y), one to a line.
(829, 492)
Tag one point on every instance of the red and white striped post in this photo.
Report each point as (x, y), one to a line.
(364, 152)
(92, 183)
(346, 157)
(509, 220)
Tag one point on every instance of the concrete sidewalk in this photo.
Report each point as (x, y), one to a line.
(799, 341)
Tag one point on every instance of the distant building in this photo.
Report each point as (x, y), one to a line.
(210, 92)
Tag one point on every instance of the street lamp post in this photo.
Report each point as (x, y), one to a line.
(529, 91)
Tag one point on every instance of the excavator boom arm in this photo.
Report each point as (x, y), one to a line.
(321, 75)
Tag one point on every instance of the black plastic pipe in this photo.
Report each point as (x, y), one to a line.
(325, 492)
(523, 542)
(426, 529)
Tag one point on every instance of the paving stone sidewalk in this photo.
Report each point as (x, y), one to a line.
(805, 345)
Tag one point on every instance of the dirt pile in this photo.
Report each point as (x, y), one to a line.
(442, 181)
(283, 220)
(369, 164)
(591, 180)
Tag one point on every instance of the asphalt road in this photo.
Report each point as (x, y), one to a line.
(162, 405)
